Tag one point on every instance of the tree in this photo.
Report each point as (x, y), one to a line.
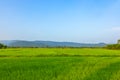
(2, 46)
(113, 46)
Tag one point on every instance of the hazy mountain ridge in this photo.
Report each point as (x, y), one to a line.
(22, 43)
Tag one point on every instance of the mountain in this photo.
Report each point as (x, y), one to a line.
(20, 43)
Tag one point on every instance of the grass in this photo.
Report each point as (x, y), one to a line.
(46, 52)
(59, 64)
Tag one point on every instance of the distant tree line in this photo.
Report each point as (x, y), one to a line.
(51, 47)
(113, 46)
(2, 46)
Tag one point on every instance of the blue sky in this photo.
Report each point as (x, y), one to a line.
(84, 21)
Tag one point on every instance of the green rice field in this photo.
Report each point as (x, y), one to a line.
(59, 64)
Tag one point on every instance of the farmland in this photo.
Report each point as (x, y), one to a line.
(59, 64)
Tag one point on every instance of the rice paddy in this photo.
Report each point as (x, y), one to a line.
(59, 64)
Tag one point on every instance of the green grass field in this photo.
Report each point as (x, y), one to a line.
(59, 64)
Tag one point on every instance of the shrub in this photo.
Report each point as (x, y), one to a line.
(113, 46)
(2, 46)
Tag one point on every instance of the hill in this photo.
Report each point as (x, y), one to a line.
(20, 43)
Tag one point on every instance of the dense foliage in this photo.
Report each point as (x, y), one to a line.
(2, 46)
(113, 46)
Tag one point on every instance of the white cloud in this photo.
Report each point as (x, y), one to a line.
(115, 29)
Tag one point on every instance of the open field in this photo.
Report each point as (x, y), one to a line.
(59, 64)
(50, 52)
